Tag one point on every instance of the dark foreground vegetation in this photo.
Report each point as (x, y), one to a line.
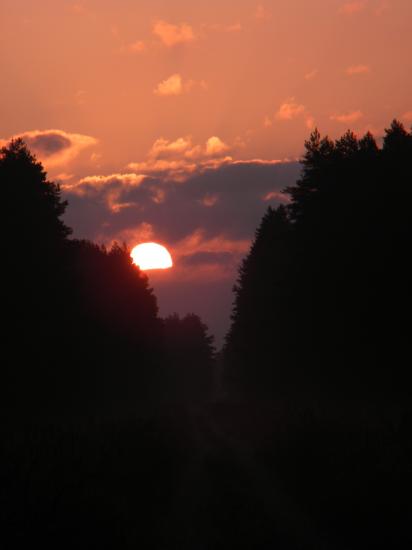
(112, 435)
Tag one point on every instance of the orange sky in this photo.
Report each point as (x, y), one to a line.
(144, 111)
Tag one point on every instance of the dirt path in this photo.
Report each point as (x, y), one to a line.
(226, 499)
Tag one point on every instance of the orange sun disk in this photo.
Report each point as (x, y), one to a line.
(151, 256)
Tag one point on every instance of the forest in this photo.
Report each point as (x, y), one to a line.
(122, 429)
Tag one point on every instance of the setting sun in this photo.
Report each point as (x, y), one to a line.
(151, 256)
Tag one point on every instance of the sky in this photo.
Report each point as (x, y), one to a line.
(180, 122)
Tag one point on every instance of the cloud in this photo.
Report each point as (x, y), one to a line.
(347, 117)
(311, 75)
(382, 8)
(262, 13)
(357, 69)
(200, 257)
(234, 27)
(137, 47)
(78, 9)
(97, 183)
(175, 85)
(267, 122)
(163, 148)
(110, 188)
(350, 8)
(277, 196)
(218, 27)
(144, 231)
(224, 197)
(290, 110)
(209, 200)
(215, 146)
(180, 158)
(310, 122)
(54, 147)
(201, 203)
(171, 35)
(171, 86)
(206, 219)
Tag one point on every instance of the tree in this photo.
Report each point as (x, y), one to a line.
(189, 355)
(32, 205)
(324, 294)
(259, 295)
(81, 321)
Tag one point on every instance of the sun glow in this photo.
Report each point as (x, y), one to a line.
(151, 256)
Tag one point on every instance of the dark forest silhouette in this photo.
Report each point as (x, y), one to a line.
(113, 433)
(83, 330)
(323, 299)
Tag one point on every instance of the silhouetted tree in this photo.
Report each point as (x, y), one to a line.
(189, 358)
(259, 291)
(323, 299)
(81, 321)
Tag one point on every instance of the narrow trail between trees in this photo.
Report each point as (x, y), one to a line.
(226, 498)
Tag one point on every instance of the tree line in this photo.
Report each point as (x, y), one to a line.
(323, 299)
(321, 305)
(91, 453)
(81, 323)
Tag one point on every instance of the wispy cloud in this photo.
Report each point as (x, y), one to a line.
(357, 69)
(262, 13)
(54, 147)
(215, 146)
(229, 28)
(350, 8)
(311, 74)
(180, 158)
(310, 122)
(136, 47)
(111, 188)
(267, 122)
(277, 196)
(97, 183)
(171, 86)
(202, 257)
(344, 118)
(171, 35)
(290, 109)
(176, 85)
(382, 8)
(209, 200)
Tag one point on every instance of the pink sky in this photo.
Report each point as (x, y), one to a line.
(139, 108)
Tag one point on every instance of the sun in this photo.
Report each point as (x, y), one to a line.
(151, 256)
